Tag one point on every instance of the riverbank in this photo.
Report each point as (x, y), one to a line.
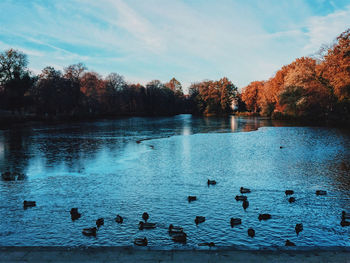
(125, 255)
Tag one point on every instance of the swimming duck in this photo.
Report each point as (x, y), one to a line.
(244, 190)
(321, 192)
(298, 228)
(281, 147)
(245, 204)
(191, 198)
(240, 198)
(199, 219)
(74, 214)
(145, 216)
(251, 232)
(235, 221)
(119, 219)
(100, 222)
(27, 204)
(211, 182)
(146, 225)
(141, 242)
(90, 231)
(264, 217)
(345, 215)
(289, 243)
(289, 192)
(180, 238)
(208, 244)
(175, 229)
(291, 199)
(344, 223)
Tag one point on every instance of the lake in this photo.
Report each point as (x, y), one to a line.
(132, 165)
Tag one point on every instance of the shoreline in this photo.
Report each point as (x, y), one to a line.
(130, 254)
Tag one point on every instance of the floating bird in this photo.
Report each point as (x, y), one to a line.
(141, 242)
(281, 147)
(191, 198)
(100, 222)
(289, 243)
(344, 223)
(145, 216)
(74, 214)
(174, 229)
(199, 219)
(27, 204)
(146, 225)
(211, 182)
(119, 219)
(345, 215)
(208, 244)
(321, 192)
(235, 221)
(245, 204)
(251, 232)
(90, 231)
(244, 190)
(289, 192)
(240, 198)
(264, 217)
(180, 238)
(298, 228)
(291, 199)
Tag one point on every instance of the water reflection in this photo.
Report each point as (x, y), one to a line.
(99, 167)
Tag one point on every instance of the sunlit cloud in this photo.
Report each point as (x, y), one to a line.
(192, 41)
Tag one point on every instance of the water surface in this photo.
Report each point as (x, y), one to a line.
(101, 168)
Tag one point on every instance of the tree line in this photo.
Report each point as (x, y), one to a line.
(308, 88)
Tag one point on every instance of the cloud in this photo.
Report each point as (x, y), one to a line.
(189, 40)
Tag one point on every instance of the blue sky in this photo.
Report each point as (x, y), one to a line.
(194, 40)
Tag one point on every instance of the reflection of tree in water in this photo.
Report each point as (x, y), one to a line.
(16, 144)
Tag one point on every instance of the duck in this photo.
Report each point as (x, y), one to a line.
(344, 223)
(141, 242)
(298, 228)
(240, 198)
(281, 147)
(27, 204)
(146, 225)
(138, 142)
(119, 219)
(291, 199)
(245, 204)
(211, 182)
(199, 219)
(345, 215)
(180, 238)
(264, 217)
(100, 222)
(289, 243)
(145, 216)
(208, 244)
(251, 232)
(289, 192)
(321, 192)
(175, 229)
(90, 231)
(235, 221)
(191, 198)
(74, 214)
(244, 190)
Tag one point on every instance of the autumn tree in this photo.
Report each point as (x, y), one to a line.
(250, 95)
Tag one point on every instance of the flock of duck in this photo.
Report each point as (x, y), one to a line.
(177, 233)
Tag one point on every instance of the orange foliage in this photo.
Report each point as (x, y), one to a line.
(250, 95)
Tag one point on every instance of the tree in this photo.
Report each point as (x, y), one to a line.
(15, 79)
(250, 95)
(175, 86)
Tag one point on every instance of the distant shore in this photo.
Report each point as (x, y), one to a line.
(125, 255)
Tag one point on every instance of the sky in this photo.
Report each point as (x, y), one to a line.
(143, 40)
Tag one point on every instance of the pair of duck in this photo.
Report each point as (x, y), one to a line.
(291, 199)
(177, 234)
(92, 231)
(243, 198)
